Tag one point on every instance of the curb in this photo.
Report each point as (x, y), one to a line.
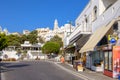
(2, 76)
(72, 72)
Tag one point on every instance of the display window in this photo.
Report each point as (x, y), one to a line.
(97, 58)
(108, 60)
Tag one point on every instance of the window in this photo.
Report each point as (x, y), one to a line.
(115, 27)
(103, 17)
(110, 61)
(86, 22)
(113, 10)
(94, 13)
(106, 60)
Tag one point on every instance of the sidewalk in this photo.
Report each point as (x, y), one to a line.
(90, 75)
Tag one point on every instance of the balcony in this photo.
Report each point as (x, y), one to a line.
(77, 34)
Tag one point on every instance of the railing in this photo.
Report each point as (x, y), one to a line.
(74, 33)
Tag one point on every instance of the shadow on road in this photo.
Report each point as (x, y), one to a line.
(4, 67)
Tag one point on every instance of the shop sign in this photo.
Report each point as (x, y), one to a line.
(112, 38)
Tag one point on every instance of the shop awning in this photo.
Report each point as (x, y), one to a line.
(81, 42)
(77, 37)
(96, 37)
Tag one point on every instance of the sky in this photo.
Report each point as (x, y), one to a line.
(19, 15)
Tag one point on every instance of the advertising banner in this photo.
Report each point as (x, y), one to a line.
(116, 61)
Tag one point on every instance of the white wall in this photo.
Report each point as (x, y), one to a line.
(67, 33)
(104, 16)
(10, 54)
(107, 16)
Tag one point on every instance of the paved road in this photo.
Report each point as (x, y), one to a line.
(35, 70)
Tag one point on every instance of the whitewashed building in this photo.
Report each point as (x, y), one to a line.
(98, 20)
(33, 51)
(47, 34)
(9, 53)
(26, 32)
(68, 29)
(4, 31)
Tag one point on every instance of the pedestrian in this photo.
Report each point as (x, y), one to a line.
(62, 59)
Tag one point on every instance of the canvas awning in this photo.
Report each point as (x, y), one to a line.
(75, 38)
(78, 36)
(96, 37)
(81, 42)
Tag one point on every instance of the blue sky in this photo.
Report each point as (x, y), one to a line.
(19, 15)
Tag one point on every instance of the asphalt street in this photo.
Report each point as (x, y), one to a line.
(35, 70)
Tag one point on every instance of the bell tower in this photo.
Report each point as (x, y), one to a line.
(56, 27)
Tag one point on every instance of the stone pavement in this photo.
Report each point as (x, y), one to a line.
(90, 75)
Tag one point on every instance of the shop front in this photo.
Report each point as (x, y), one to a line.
(108, 62)
(93, 48)
(112, 61)
(112, 53)
(69, 54)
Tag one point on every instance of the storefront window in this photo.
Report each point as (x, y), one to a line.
(101, 55)
(106, 59)
(97, 58)
(110, 60)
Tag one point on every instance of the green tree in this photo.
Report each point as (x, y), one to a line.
(57, 39)
(3, 41)
(34, 32)
(51, 47)
(13, 40)
(32, 37)
(23, 38)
